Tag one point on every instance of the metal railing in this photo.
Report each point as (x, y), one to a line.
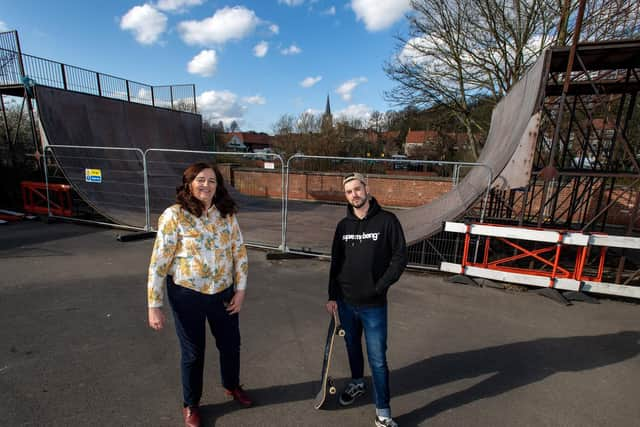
(15, 67)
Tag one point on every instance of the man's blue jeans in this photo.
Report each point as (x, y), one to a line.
(191, 311)
(373, 320)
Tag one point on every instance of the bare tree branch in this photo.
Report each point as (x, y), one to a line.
(460, 51)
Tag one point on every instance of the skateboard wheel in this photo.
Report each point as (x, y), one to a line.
(332, 390)
(341, 332)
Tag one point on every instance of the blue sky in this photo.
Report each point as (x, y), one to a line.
(251, 61)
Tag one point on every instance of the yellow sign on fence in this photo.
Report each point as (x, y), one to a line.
(93, 175)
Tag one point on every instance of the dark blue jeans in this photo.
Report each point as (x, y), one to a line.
(190, 310)
(373, 320)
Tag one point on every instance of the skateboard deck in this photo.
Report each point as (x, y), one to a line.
(326, 382)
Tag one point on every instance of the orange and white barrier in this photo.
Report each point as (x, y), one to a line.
(556, 273)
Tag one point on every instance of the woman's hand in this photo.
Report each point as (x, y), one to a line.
(156, 318)
(235, 305)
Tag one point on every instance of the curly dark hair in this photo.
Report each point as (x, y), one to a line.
(222, 199)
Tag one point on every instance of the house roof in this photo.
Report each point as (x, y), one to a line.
(420, 136)
(253, 138)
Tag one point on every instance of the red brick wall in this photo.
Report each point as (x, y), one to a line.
(390, 191)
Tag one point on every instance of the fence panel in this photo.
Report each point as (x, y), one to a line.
(316, 202)
(254, 183)
(109, 179)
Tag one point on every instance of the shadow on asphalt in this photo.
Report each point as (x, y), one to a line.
(512, 365)
(22, 235)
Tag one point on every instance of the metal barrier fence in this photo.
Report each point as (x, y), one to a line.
(141, 184)
(314, 233)
(121, 193)
(261, 217)
(276, 212)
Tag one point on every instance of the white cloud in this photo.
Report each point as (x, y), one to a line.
(3, 26)
(143, 93)
(310, 81)
(145, 22)
(378, 15)
(255, 100)
(220, 105)
(177, 5)
(355, 111)
(345, 89)
(330, 11)
(291, 2)
(274, 28)
(229, 23)
(414, 51)
(291, 50)
(203, 64)
(261, 49)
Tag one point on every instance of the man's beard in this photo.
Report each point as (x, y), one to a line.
(359, 204)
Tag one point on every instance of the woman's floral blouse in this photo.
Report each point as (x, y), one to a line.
(206, 253)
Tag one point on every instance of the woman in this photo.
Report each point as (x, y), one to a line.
(200, 251)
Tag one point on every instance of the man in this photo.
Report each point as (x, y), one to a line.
(369, 254)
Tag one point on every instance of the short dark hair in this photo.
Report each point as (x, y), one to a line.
(222, 199)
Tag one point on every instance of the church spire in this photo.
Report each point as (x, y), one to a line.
(327, 118)
(327, 109)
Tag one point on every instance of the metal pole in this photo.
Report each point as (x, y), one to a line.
(285, 213)
(629, 231)
(283, 196)
(26, 94)
(64, 76)
(195, 105)
(6, 129)
(556, 133)
(20, 63)
(147, 208)
(46, 180)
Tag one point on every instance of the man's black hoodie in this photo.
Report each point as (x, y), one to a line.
(367, 257)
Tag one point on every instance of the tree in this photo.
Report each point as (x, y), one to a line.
(17, 146)
(284, 137)
(233, 127)
(285, 125)
(308, 123)
(376, 121)
(603, 20)
(459, 51)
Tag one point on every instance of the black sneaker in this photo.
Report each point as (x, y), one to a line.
(385, 422)
(350, 393)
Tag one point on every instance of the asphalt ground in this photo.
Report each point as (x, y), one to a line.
(75, 348)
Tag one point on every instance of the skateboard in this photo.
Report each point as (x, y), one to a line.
(326, 383)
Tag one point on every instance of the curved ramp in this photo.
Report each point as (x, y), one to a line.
(512, 122)
(78, 119)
